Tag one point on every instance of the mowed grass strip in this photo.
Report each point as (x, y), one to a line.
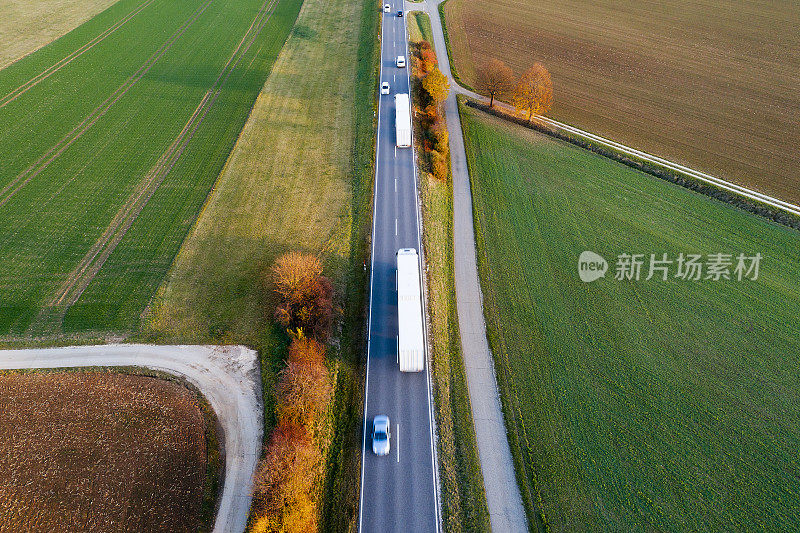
(634, 405)
(91, 146)
(709, 84)
(100, 451)
(285, 187)
(26, 26)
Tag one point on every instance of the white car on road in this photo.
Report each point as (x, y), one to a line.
(385, 87)
(386, 8)
(381, 435)
(401, 61)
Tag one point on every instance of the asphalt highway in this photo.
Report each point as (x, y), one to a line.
(399, 492)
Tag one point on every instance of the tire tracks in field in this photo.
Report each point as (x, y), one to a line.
(44, 161)
(30, 84)
(83, 274)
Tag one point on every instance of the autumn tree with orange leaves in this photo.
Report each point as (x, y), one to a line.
(287, 478)
(284, 482)
(534, 92)
(306, 306)
(495, 78)
(305, 391)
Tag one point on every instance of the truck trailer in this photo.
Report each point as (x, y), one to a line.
(402, 108)
(410, 337)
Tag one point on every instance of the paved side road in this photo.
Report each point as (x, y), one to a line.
(506, 511)
(229, 378)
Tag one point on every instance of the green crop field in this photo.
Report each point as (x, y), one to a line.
(110, 140)
(635, 405)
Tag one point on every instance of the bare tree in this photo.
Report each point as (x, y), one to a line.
(534, 91)
(495, 78)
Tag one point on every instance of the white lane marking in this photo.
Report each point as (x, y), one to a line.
(395, 185)
(398, 442)
(369, 322)
(395, 227)
(431, 418)
(395, 152)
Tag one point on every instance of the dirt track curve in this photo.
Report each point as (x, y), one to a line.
(229, 378)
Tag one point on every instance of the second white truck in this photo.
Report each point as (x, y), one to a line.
(402, 109)
(410, 336)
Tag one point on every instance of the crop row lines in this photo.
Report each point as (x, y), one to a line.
(25, 87)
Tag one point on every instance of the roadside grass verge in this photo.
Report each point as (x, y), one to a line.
(299, 178)
(463, 499)
(419, 27)
(663, 405)
(101, 181)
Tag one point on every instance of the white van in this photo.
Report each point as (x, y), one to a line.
(401, 61)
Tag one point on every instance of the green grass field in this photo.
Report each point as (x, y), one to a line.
(634, 405)
(110, 143)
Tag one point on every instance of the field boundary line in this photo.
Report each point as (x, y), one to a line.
(44, 161)
(30, 84)
(556, 128)
(95, 258)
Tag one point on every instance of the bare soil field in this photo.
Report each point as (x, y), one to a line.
(26, 25)
(100, 451)
(713, 85)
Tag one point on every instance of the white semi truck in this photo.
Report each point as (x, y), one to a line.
(410, 338)
(402, 108)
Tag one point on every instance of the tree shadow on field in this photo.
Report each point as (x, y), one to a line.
(204, 76)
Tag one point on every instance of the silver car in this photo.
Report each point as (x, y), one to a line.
(381, 435)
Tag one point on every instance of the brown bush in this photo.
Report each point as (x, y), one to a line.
(284, 482)
(304, 392)
(428, 59)
(436, 85)
(440, 136)
(306, 351)
(438, 165)
(294, 273)
(306, 307)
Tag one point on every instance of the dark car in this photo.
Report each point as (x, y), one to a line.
(400, 13)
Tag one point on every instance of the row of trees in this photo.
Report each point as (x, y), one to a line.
(531, 94)
(431, 88)
(292, 467)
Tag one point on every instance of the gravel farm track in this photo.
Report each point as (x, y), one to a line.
(227, 376)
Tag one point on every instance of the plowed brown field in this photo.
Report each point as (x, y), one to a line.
(714, 85)
(97, 451)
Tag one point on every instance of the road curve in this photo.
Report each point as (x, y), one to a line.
(229, 378)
